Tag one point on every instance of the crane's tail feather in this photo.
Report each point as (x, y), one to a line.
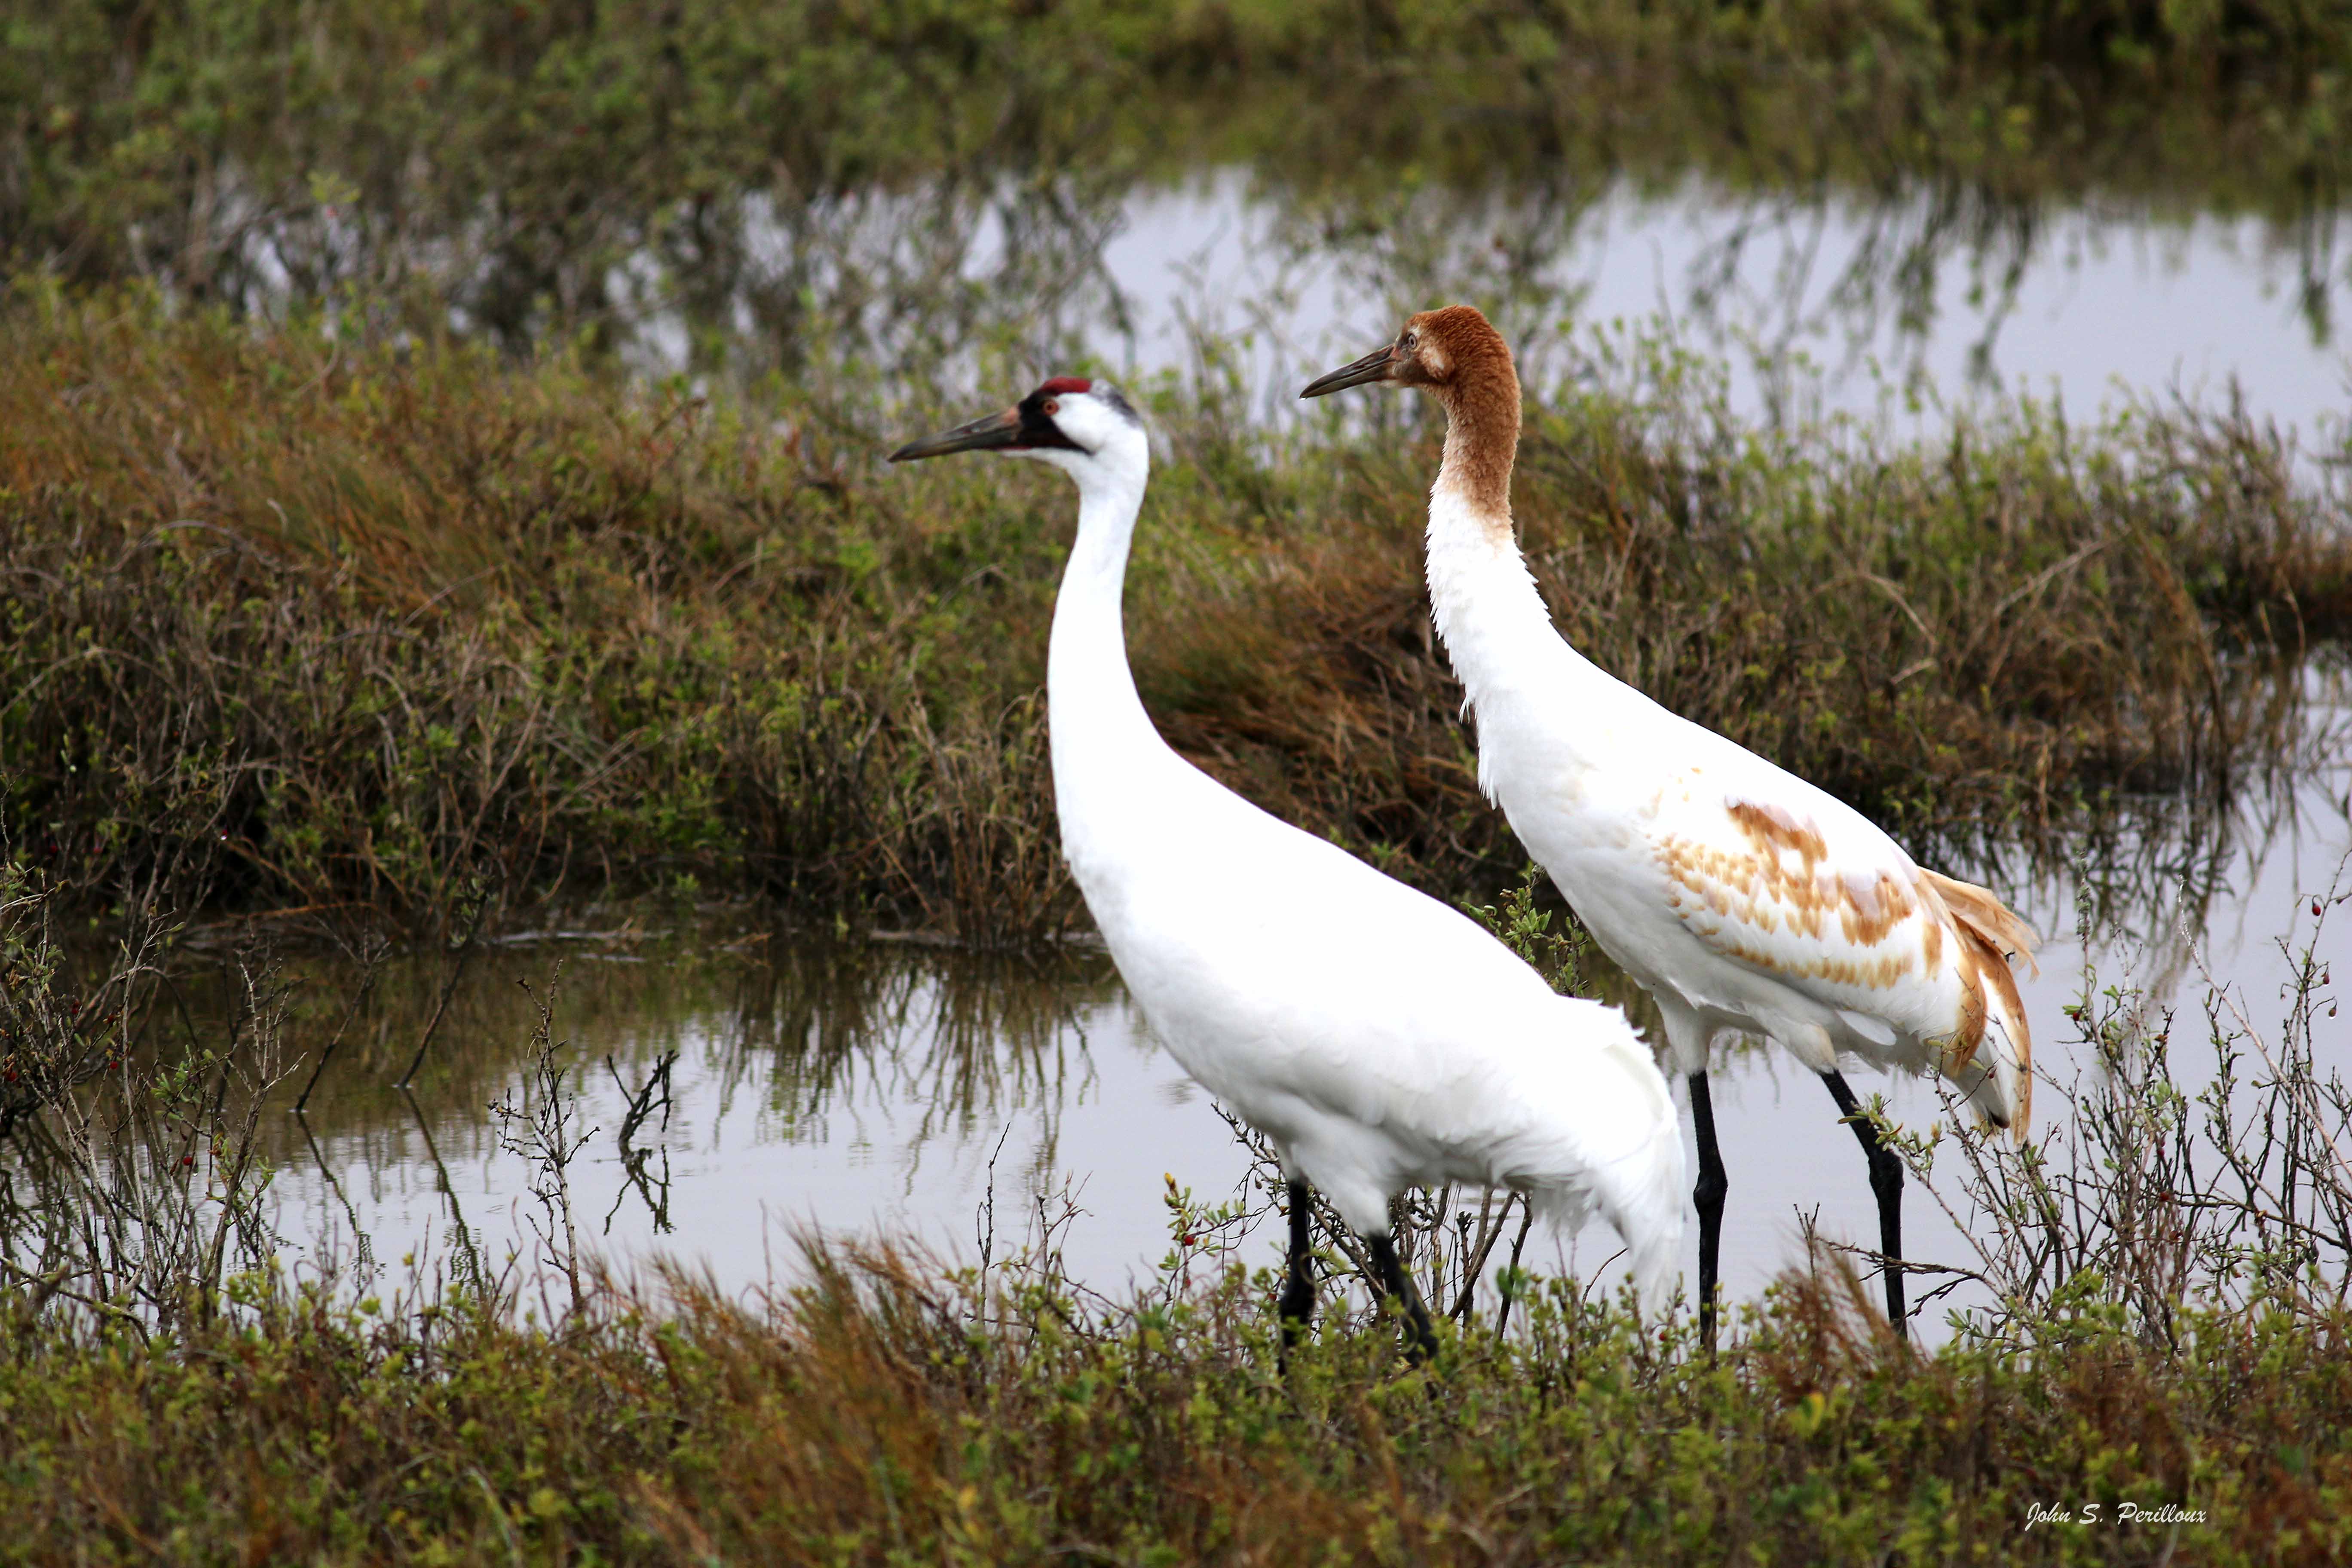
(1638, 1183)
(2002, 1058)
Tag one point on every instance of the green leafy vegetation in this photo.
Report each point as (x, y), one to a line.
(884, 1413)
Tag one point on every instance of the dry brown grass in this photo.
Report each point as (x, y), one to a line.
(407, 616)
(880, 1413)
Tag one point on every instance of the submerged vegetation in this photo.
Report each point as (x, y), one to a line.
(393, 619)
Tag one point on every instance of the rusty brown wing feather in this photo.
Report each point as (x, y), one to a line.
(1986, 916)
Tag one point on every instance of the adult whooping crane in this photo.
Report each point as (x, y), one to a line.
(1377, 1037)
(1741, 898)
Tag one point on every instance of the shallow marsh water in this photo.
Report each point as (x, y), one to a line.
(1871, 311)
(1896, 299)
(888, 1089)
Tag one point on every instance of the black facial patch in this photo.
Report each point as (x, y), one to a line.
(1037, 426)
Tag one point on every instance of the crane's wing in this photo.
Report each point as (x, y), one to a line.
(1802, 889)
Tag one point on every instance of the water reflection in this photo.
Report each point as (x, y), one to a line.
(1912, 277)
(790, 1027)
(1891, 310)
(737, 1085)
(741, 1084)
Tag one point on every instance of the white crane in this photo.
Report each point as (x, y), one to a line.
(1379, 1038)
(1742, 898)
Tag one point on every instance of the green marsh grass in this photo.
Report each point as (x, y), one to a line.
(880, 1413)
(392, 619)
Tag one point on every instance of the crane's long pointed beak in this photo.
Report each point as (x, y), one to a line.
(1374, 366)
(990, 431)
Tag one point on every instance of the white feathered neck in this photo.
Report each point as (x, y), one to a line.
(1497, 630)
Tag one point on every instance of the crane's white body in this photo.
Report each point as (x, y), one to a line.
(1377, 1037)
(1740, 897)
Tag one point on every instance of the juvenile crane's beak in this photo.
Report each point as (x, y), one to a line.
(990, 431)
(1377, 365)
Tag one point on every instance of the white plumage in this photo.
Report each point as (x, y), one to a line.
(1378, 1037)
(1743, 899)
(1740, 896)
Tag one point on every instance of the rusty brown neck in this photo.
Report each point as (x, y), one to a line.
(1482, 439)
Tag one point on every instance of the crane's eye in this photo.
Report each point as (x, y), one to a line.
(1407, 341)
(1053, 407)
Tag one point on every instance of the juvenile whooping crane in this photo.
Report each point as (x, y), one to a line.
(1742, 898)
(1376, 1037)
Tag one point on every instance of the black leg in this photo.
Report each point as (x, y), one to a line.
(1299, 1291)
(1708, 1196)
(1422, 1340)
(1886, 1181)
